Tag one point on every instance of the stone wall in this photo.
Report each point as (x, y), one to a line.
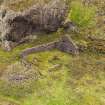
(64, 44)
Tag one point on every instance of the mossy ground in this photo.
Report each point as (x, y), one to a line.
(65, 80)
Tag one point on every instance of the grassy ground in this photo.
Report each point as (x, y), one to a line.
(54, 78)
(79, 80)
(75, 81)
(64, 80)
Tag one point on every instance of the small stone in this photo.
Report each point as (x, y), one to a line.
(6, 46)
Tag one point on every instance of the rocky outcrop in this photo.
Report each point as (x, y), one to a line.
(65, 44)
(14, 26)
(47, 18)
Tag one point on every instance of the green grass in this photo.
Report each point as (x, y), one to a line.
(82, 82)
(6, 101)
(79, 80)
(82, 15)
(65, 79)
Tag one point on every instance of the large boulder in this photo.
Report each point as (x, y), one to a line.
(14, 26)
(47, 18)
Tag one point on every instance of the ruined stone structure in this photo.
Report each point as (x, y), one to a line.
(65, 44)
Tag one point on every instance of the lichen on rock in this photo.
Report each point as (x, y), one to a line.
(38, 18)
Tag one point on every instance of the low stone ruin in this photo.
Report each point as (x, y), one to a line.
(65, 44)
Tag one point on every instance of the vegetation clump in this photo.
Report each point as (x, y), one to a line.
(81, 15)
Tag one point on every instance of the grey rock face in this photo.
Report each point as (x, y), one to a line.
(45, 18)
(15, 26)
